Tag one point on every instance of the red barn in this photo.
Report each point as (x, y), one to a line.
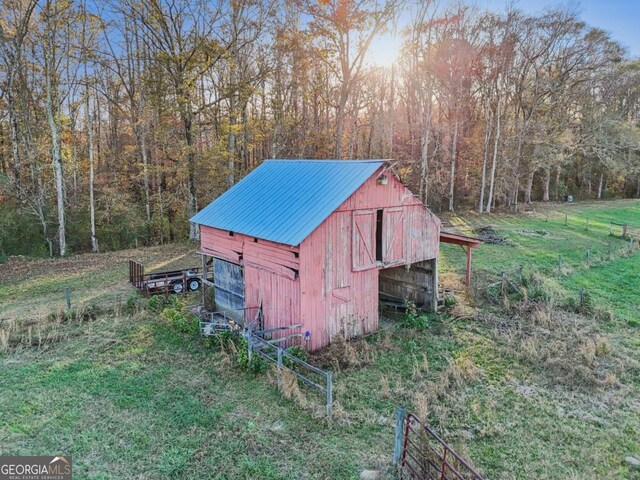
(316, 243)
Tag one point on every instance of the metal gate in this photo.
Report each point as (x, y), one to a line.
(229, 289)
(423, 455)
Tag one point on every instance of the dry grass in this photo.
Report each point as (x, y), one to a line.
(568, 347)
(42, 328)
(343, 354)
(291, 389)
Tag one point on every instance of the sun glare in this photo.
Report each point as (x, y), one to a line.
(384, 50)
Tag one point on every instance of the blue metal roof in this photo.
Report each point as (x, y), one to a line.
(285, 200)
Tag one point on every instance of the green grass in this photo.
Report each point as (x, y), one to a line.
(516, 392)
(38, 285)
(538, 239)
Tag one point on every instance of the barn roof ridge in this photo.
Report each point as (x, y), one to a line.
(284, 201)
(324, 160)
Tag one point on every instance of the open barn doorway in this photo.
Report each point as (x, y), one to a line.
(416, 283)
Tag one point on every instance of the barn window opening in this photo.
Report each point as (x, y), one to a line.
(379, 235)
(296, 255)
(231, 234)
(255, 240)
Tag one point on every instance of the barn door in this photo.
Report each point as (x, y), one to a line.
(393, 235)
(364, 240)
(229, 289)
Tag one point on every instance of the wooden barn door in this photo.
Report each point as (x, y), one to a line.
(393, 235)
(229, 288)
(364, 240)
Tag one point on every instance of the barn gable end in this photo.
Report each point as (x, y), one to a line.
(339, 268)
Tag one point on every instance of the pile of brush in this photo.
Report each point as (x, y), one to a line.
(488, 234)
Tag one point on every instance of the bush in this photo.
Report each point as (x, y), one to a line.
(131, 305)
(256, 365)
(415, 318)
(158, 303)
(299, 352)
(180, 320)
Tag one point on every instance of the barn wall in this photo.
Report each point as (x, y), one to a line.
(270, 273)
(338, 268)
(415, 283)
(420, 226)
(335, 298)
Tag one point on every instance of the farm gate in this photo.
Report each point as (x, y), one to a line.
(421, 454)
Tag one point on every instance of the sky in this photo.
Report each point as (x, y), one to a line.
(621, 18)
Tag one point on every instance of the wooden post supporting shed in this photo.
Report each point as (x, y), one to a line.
(466, 243)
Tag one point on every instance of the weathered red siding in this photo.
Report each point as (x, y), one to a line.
(329, 283)
(270, 273)
(338, 268)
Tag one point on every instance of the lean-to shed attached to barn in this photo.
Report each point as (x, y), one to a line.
(315, 243)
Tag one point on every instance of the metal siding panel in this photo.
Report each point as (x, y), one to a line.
(229, 288)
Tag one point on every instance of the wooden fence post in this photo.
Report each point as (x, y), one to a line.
(587, 227)
(249, 347)
(582, 297)
(280, 369)
(397, 439)
(67, 295)
(588, 254)
(520, 271)
(559, 263)
(329, 393)
(566, 222)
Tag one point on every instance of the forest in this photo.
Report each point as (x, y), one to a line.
(120, 119)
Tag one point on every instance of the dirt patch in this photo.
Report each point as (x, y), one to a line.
(21, 268)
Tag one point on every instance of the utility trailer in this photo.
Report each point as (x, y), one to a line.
(165, 283)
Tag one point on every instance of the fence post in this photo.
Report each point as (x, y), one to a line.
(565, 219)
(397, 439)
(520, 271)
(582, 297)
(559, 263)
(329, 393)
(588, 255)
(249, 347)
(280, 369)
(587, 227)
(67, 296)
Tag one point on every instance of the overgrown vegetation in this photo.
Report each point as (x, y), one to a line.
(515, 380)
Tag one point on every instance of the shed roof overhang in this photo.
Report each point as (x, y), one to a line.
(463, 241)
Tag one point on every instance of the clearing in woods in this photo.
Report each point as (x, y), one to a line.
(529, 384)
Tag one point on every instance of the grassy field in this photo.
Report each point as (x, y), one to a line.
(538, 238)
(523, 386)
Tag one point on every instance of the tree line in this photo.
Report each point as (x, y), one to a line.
(119, 119)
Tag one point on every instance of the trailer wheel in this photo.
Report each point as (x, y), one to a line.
(177, 287)
(193, 284)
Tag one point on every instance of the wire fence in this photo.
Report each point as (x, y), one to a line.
(515, 280)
